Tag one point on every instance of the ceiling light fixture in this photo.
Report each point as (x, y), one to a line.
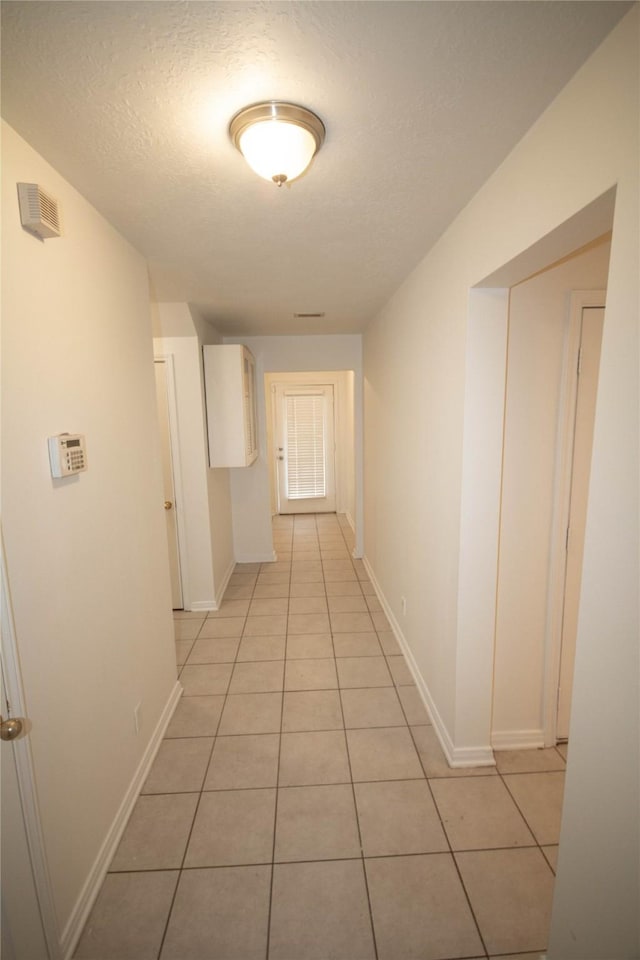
(278, 140)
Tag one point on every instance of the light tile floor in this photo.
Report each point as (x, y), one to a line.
(300, 806)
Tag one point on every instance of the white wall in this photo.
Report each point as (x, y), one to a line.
(86, 556)
(538, 330)
(482, 444)
(206, 508)
(250, 486)
(220, 529)
(218, 489)
(414, 368)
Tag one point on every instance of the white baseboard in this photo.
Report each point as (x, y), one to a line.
(257, 557)
(350, 520)
(480, 756)
(224, 584)
(75, 925)
(472, 757)
(517, 739)
(215, 603)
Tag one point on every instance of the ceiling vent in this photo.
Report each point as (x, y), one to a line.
(38, 211)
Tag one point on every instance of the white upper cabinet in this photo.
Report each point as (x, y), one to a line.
(229, 377)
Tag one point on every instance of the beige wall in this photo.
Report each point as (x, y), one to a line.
(218, 487)
(414, 370)
(538, 330)
(86, 556)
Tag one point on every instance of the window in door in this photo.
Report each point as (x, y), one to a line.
(305, 449)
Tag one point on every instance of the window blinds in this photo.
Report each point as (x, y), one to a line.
(305, 446)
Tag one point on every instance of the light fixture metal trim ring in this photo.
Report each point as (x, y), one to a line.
(277, 110)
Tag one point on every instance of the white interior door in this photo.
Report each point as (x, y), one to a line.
(29, 929)
(22, 930)
(305, 448)
(162, 399)
(590, 341)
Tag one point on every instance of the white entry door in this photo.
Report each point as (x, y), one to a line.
(162, 399)
(305, 448)
(589, 363)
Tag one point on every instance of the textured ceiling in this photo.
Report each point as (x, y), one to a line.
(131, 102)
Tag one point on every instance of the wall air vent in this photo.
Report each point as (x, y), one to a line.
(308, 316)
(39, 212)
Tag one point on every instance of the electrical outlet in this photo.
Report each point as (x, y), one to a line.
(403, 604)
(137, 716)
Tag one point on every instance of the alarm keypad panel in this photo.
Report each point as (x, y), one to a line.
(67, 454)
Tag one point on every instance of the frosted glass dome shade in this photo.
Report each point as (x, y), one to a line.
(274, 148)
(278, 140)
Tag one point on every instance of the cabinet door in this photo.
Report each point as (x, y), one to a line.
(229, 371)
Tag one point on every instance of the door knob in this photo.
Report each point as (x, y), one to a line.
(10, 729)
(168, 504)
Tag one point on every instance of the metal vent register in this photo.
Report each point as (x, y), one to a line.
(38, 211)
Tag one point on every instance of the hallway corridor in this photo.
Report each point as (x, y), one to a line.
(300, 807)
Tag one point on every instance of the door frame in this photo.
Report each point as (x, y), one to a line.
(25, 769)
(562, 504)
(302, 379)
(176, 463)
(280, 392)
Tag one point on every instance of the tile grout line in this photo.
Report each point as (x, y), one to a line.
(396, 687)
(179, 869)
(355, 803)
(530, 846)
(328, 859)
(277, 789)
(528, 825)
(393, 686)
(197, 808)
(215, 737)
(451, 850)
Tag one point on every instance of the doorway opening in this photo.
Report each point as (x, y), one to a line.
(508, 644)
(548, 426)
(552, 360)
(311, 442)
